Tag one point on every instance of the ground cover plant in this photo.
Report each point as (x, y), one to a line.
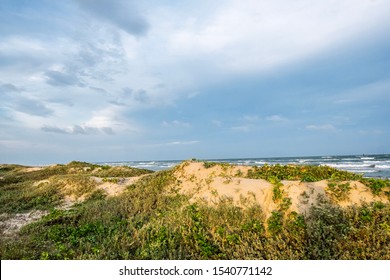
(27, 188)
(151, 219)
(304, 173)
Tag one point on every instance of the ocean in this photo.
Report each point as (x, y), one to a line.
(371, 166)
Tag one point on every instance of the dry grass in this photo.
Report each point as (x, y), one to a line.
(153, 218)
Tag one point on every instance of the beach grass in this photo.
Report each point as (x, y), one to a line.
(152, 219)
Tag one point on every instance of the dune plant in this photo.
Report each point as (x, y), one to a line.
(338, 190)
(306, 173)
(376, 185)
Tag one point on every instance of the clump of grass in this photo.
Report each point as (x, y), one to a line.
(121, 171)
(19, 191)
(285, 204)
(224, 165)
(277, 189)
(17, 174)
(298, 172)
(77, 185)
(23, 196)
(209, 164)
(275, 222)
(82, 164)
(279, 196)
(111, 180)
(338, 191)
(354, 233)
(174, 229)
(377, 186)
(7, 168)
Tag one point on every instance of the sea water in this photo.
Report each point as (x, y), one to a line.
(373, 166)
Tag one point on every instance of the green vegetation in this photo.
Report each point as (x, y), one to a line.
(224, 165)
(152, 220)
(200, 232)
(306, 173)
(376, 185)
(209, 164)
(277, 189)
(45, 188)
(338, 191)
(111, 180)
(23, 196)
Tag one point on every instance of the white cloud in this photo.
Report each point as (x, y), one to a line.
(28, 121)
(272, 33)
(371, 132)
(364, 93)
(243, 128)
(217, 123)
(122, 14)
(323, 127)
(114, 118)
(69, 74)
(15, 144)
(276, 118)
(58, 78)
(175, 123)
(193, 94)
(174, 143)
(100, 55)
(183, 142)
(78, 130)
(250, 118)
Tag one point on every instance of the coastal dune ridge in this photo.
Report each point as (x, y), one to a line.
(231, 183)
(193, 210)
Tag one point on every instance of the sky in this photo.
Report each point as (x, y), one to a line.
(121, 80)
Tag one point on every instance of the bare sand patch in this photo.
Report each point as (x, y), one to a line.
(41, 182)
(221, 183)
(12, 223)
(32, 169)
(115, 189)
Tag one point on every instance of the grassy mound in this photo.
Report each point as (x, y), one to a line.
(24, 188)
(152, 219)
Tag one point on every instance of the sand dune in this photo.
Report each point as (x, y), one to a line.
(204, 183)
(228, 183)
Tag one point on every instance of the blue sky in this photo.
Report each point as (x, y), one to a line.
(150, 80)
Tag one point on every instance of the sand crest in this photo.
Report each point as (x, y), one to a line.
(228, 183)
(117, 186)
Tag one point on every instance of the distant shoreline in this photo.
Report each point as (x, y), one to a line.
(372, 166)
(368, 165)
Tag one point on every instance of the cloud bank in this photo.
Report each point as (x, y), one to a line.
(238, 76)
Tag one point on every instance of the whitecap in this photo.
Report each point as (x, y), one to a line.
(382, 166)
(346, 165)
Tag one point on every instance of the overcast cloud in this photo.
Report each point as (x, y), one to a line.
(146, 80)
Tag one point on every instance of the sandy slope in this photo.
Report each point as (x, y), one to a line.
(11, 223)
(209, 185)
(219, 183)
